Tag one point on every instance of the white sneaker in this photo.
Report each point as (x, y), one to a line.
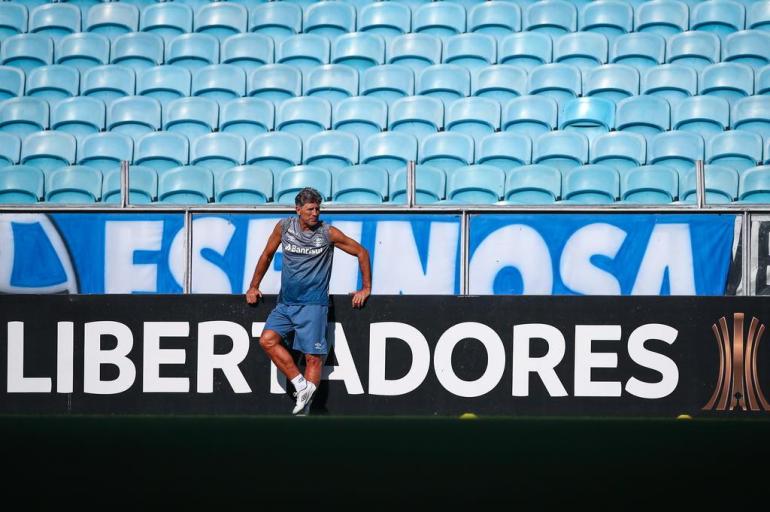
(304, 397)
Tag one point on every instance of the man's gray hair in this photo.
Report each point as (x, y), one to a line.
(307, 195)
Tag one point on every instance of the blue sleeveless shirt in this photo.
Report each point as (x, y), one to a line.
(307, 263)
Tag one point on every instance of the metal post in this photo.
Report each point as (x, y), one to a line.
(464, 256)
(746, 260)
(188, 251)
(124, 183)
(410, 183)
(700, 183)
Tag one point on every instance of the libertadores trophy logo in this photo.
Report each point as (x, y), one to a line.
(738, 383)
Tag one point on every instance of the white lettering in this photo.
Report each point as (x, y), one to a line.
(577, 272)
(208, 361)
(379, 333)
(154, 356)
(442, 359)
(524, 364)
(649, 359)
(65, 357)
(585, 360)
(121, 241)
(669, 248)
(17, 382)
(94, 357)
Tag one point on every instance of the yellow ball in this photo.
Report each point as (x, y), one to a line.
(468, 416)
(684, 417)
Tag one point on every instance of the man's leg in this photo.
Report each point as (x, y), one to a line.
(270, 341)
(313, 366)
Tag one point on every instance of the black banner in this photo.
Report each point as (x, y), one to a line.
(400, 355)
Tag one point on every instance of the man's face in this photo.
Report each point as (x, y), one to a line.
(309, 213)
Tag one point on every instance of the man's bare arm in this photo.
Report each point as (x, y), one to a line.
(253, 294)
(350, 246)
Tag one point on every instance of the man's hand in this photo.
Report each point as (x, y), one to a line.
(253, 295)
(359, 298)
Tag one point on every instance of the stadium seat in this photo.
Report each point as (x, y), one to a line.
(331, 82)
(79, 116)
(430, 185)
(83, 50)
(275, 82)
(221, 19)
(193, 51)
(218, 152)
(54, 20)
(362, 116)
(415, 51)
(417, 115)
(500, 82)
(389, 150)
(167, 19)
(475, 184)
(134, 116)
(620, 150)
(10, 149)
(753, 185)
(248, 51)
(525, 49)
(446, 151)
(530, 115)
(112, 19)
(247, 117)
(219, 82)
(720, 17)
(477, 117)
(142, 185)
(645, 115)
(504, 150)
(611, 18)
(447, 82)
(736, 149)
(360, 184)
(13, 19)
(244, 184)
(277, 20)
(611, 81)
(673, 82)
(589, 116)
(12, 82)
(388, 82)
(303, 51)
(585, 50)
(649, 184)
(189, 184)
(471, 51)
(385, 19)
(751, 47)
(761, 80)
(331, 150)
(48, 150)
(21, 184)
(329, 19)
(562, 82)
(108, 83)
(693, 49)
(752, 114)
(192, 117)
(27, 51)
(162, 151)
(551, 17)
(676, 149)
(560, 149)
(164, 83)
(662, 17)
(441, 19)
(705, 115)
(728, 80)
(758, 16)
(496, 19)
(638, 49)
(593, 184)
(359, 50)
(76, 184)
(275, 151)
(720, 185)
(303, 116)
(53, 83)
(105, 150)
(532, 184)
(137, 50)
(24, 115)
(294, 179)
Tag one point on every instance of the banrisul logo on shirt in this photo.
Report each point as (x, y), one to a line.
(318, 240)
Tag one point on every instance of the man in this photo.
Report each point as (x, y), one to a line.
(303, 302)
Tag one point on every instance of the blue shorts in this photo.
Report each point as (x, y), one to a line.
(308, 321)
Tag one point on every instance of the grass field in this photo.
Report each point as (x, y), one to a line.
(234, 461)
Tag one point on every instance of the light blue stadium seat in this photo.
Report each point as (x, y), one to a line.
(275, 82)
(112, 19)
(218, 152)
(430, 185)
(13, 19)
(303, 116)
(359, 50)
(385, 19)
(134, 116)
(415, 51)
(277, 20)
(706, 115)
(290, 181)
(105, 150)
(561, 149)
(441, 19)
(562, 82)
(332, 82)
(194, 4)
(530, 115)
(589, 116)
(303, 51)
(221, 19)
(446, 82)
(83, 5)
(593, 184)
(751, 47)
(753, 185)
(389, 150)
(693, 49)
(472, 51)
(673, 82)
(417, 115)
(189, 184)
(244, 184)
(474, 116)
(21, 184)
(620, 150)
(249, 51)
(54, 20)
(525, 49)
(329, 19)
(721, 17)
(676, 149)
(48, 150)
(362, 116)
(663, 17)
(75, 184)
(645, 115)
(752, 114)
(641, 50)
(53, 83)
(10, 149)
(496, 19)
(758, 16)
(83, 50)
(585, 50)
(360, 184)
(388, 82)
(142, 185)
(247, 117)
(611, 81)
(736, 149)
(275, 151)
(164, 83)
(137, 50)
(79, 116)
(729, 80)
(24, 115)
(611, 18)
(475, 184)
(167, 19)
(532, 184)
(108, 83)
(551, 17)
(447, 151)
(12, 82)
(219, 82)
(26, 51)
(505, 150)
(500, 82)
(721, 185)
(193, 50)
(649, 184)
(762, 80)
(192, 117)
(162, 151)
(331, 150)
